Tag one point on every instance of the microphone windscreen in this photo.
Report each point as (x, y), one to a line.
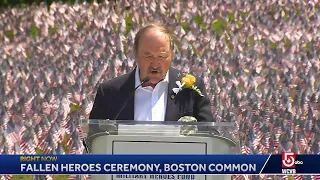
(146, 79)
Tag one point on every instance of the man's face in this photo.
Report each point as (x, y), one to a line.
(154, 55)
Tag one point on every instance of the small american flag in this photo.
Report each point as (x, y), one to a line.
(14, 137)
(6, 177)
(267, 140)
(88, 108)
(298, 177)
(28, 106)
(77, 97)
(45, 147)
(22, 131)
(26, 148)
(49, 177)
(315, 177)
(46, 108)
(69, 95)
(72, 177)
(81, 134)
(238, 177)
(245, 150)
(73, 150)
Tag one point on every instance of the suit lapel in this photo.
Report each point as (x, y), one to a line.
(126, 91)
(172, 109)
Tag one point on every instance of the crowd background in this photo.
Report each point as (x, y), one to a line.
(260, 60)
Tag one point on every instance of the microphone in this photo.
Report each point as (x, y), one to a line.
(145, 80)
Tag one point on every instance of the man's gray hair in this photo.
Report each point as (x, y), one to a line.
(155, 26)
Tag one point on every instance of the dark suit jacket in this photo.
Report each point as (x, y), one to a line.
(112, 95)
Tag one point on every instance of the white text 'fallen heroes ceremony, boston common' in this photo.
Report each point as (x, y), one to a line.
(139, 168)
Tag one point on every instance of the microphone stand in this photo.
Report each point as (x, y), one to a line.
(145, 80)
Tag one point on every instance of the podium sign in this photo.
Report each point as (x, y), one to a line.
(131, 137)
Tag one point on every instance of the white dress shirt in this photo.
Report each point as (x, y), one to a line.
(150, 104)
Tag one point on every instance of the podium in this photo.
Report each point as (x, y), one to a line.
(160, 137)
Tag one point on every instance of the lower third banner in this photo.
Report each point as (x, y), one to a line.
(287, 163)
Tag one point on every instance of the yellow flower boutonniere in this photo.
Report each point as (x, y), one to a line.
(187, 82)
(74, 108)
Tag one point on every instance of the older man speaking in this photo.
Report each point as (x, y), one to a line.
(153, 91)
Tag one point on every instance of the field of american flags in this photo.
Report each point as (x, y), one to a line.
(260, 61)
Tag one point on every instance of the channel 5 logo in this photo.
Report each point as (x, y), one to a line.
(289, 160)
